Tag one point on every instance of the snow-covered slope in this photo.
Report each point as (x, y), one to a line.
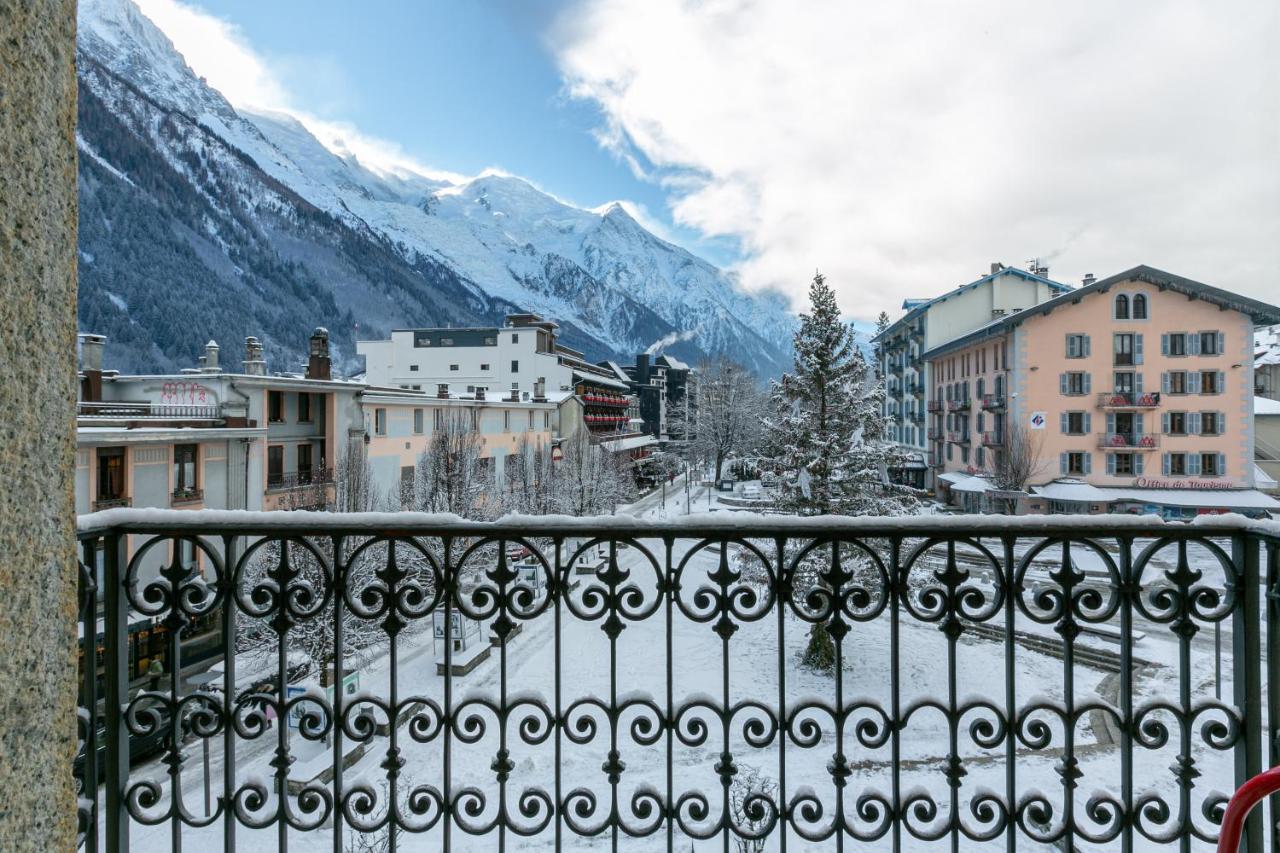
(616, 287)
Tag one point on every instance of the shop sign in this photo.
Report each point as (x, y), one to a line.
(1155, 483)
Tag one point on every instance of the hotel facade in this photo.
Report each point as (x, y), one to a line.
(1130, 394)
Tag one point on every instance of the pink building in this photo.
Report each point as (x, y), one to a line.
(1129, 394)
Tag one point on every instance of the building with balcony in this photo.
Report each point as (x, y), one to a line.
(928, 323)
(1135, 393)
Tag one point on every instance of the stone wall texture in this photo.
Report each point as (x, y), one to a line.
(37, 424)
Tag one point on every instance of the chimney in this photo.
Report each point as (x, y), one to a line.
(479, 393)
(540, 389)
(91, 347)
(442, 391)
(642, 368)
(996, 266)
(318, 361)
(209, 362)
(254, 365)
(1088, 279)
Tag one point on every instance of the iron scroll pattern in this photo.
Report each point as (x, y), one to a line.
(966, 585)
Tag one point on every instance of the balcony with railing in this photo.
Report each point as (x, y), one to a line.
(1128, 441)
(299, 479)
(1018, 683)
(146, 411)
(1128, 400)
(936, 433)
(958, 405)
(934, 405)
(957, 437)
(993, 402)
(993, 439)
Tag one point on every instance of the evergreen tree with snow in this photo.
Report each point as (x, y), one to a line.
(827, 433)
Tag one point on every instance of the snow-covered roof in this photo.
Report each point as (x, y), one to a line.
(600, 378)
(675, 363)
(953, 476)
(1266, 406)
(973, 484)
(1075, 491)
(1266, 346)
(1263, 480)
(92, 436)
(630, 442)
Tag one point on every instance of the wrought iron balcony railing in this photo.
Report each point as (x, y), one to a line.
(934, 405)
(299, 479)
(993, 439)
(145, 410)
(992, 402)
(1128, 440)
(1026, 682)
(958, 405)
(1128, 400)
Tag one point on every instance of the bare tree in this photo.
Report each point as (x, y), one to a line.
(451, 476)
(723, 416)
(1018, 462)
(747, 803)
(588, 479)
(528, 481)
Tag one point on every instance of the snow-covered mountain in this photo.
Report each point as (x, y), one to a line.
(253, 211)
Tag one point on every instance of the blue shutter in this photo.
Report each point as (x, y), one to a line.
(1222, 422)
(1193, 423)
(1164, 382)
(1073, 346)
(1088, 463)
(1064, 423)
(1062, 463)
(1164, 423)
(1111, 423)
(1137, 463)
(1137, 383)
(1062, 383)
(1164, 344)
(1193, 382)
(1137, 349)
(1193, 343)
(1138, 424)
(1088, 423)
(1164, 460)
(1111, 464)
(1222, 382)
(1222, 464)
(1085, 342)
(1193, 464)
(1221, 343)
(1088, 382)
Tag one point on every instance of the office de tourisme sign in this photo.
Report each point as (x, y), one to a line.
(1154, 483)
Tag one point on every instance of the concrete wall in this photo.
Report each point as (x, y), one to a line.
(37, 451)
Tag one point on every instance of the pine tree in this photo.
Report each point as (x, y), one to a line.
(827, 433)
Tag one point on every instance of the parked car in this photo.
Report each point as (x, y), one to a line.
(141, 746)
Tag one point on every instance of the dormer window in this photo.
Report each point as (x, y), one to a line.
(1122, 307)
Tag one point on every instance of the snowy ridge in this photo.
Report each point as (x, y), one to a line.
(597, 271)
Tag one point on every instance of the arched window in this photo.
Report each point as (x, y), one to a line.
(1122, 307)
(1139, 306)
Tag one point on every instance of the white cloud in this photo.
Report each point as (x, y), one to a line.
(218, 50)
(901, 147)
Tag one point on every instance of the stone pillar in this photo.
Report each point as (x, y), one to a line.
(37, 424)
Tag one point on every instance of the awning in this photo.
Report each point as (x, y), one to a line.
(1195, 498)
(631, 442)
(1072, 491)
(951, 477)
(1263, 480)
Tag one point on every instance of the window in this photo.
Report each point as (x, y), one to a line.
(1176, 423)
(413, 368)
(275, 407)
(275, 464)
(1139, 306)
(1123, 348)
(446, 342)
(1177, 382)
(1075, 423)
(184, 469)
(1123, 382)
(1123, 463)
(546, 420)
(531, 420)
(419, 425)
(506, 420)
(439, 419)
(515, 366)
(1211, 343)
(1210, 423)
(1210, 382)
(491, 341)
(1077, 346)
(304, 463)
(380, 421)
(1176, 343)
(1122, 307)
(1076, 463)
(453, 367)
(515, 338)
(484, 366)
(304, 408)
(1177, 464)
(1209, 466)
(1075, 384)
(110, 473)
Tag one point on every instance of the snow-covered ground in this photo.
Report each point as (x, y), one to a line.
(762, 664)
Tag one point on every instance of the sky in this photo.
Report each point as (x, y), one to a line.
(898, 147)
